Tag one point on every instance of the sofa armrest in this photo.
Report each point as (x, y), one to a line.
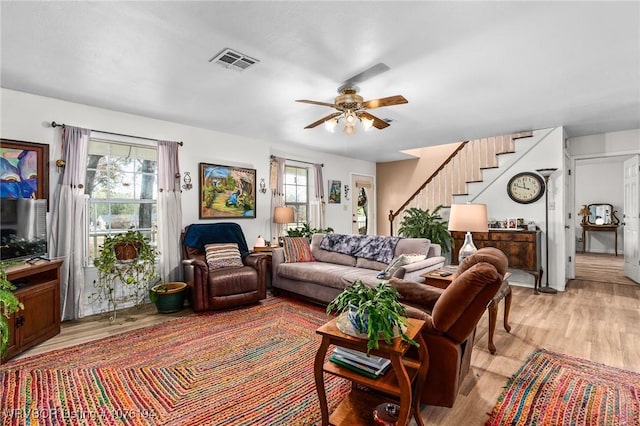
(417, 294)
(413, 271)
(434, 250)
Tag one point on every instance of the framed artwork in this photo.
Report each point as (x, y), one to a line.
(227, 192)
(512, 223)
(24, 170)
(335, 190)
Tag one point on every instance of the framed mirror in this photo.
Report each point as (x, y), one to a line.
(600, 214)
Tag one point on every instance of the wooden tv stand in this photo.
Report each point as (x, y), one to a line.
(39, 291)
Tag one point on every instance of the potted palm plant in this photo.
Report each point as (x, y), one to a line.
(116, 267)
(373, 311)
(9, 304)
(168, 297)
(418, 223)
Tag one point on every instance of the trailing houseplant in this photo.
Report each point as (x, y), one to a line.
(307, 231)
(9, 304)
(374, 311)
(134, 275)
(418, 223)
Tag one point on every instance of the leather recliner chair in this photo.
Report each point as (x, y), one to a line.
(213, 289)
(451, 316)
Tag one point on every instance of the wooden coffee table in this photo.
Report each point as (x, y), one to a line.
(435, 279)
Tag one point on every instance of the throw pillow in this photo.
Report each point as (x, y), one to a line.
(296, 249)
(223, 255)
(404, 259)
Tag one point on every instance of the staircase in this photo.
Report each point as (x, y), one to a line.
(466, 165)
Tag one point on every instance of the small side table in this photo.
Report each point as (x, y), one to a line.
(268, 250)
(434, 279)
(357, 407)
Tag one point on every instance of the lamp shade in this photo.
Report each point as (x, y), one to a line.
(283, 214)
(468, 218)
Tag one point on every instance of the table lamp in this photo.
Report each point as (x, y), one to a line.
(468, 218)
(283, 215)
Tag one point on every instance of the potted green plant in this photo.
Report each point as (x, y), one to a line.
(374, 311)
(307, 231)
(9, 304)
(133, 274)
(418, 223)
(168, 297)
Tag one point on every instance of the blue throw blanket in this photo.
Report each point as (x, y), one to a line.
(200, 234)
(372, 247)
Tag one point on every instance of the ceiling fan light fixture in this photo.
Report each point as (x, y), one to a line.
(349, 130)
(331, 124)
(367, 123)
(350, 118)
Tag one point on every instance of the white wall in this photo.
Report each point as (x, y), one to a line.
(27, 117)
(546, 154)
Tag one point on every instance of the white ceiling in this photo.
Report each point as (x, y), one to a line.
(468, 69)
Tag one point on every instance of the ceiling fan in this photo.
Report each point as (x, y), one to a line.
(351, 107)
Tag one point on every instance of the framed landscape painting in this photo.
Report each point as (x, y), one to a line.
(227, 192)
(24, 169)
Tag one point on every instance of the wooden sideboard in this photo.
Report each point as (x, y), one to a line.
(522, 248)
(39, 291)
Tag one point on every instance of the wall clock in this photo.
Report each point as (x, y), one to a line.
(525, 187)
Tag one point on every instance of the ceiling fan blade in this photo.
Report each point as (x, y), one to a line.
(383, 102)
(370, 72)
(306, 101)
(377, 123)
(322, 120)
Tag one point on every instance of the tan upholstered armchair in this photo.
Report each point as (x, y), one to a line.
(213, 289)
(451, 316)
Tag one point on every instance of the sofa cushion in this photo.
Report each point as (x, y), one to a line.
(402, 260)
(223, 255)
(322, 255)
(404, 246)
(412, 246)
(296, 249)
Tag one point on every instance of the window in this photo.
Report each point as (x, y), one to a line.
(296, 182)
(121, 183)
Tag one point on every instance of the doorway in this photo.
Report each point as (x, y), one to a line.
(598, 180)
(363, 210)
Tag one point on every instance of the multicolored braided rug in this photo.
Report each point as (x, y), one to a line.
(247, 366)
(556, 389)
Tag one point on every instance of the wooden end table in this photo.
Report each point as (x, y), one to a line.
(434, 279)
(357, 408)
(267, 250)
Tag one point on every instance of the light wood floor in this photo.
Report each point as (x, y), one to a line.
(593, 320)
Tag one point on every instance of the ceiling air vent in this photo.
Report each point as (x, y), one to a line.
(234, 60)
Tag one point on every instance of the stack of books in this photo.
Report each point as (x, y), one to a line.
(368, 365)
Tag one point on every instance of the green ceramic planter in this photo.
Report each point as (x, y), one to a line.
(169, 297)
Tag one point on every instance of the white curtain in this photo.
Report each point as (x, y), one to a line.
(318, 204)
(276, 183)
(169, 211)
(68, 233)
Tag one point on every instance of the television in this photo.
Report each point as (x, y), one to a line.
(23, 228)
